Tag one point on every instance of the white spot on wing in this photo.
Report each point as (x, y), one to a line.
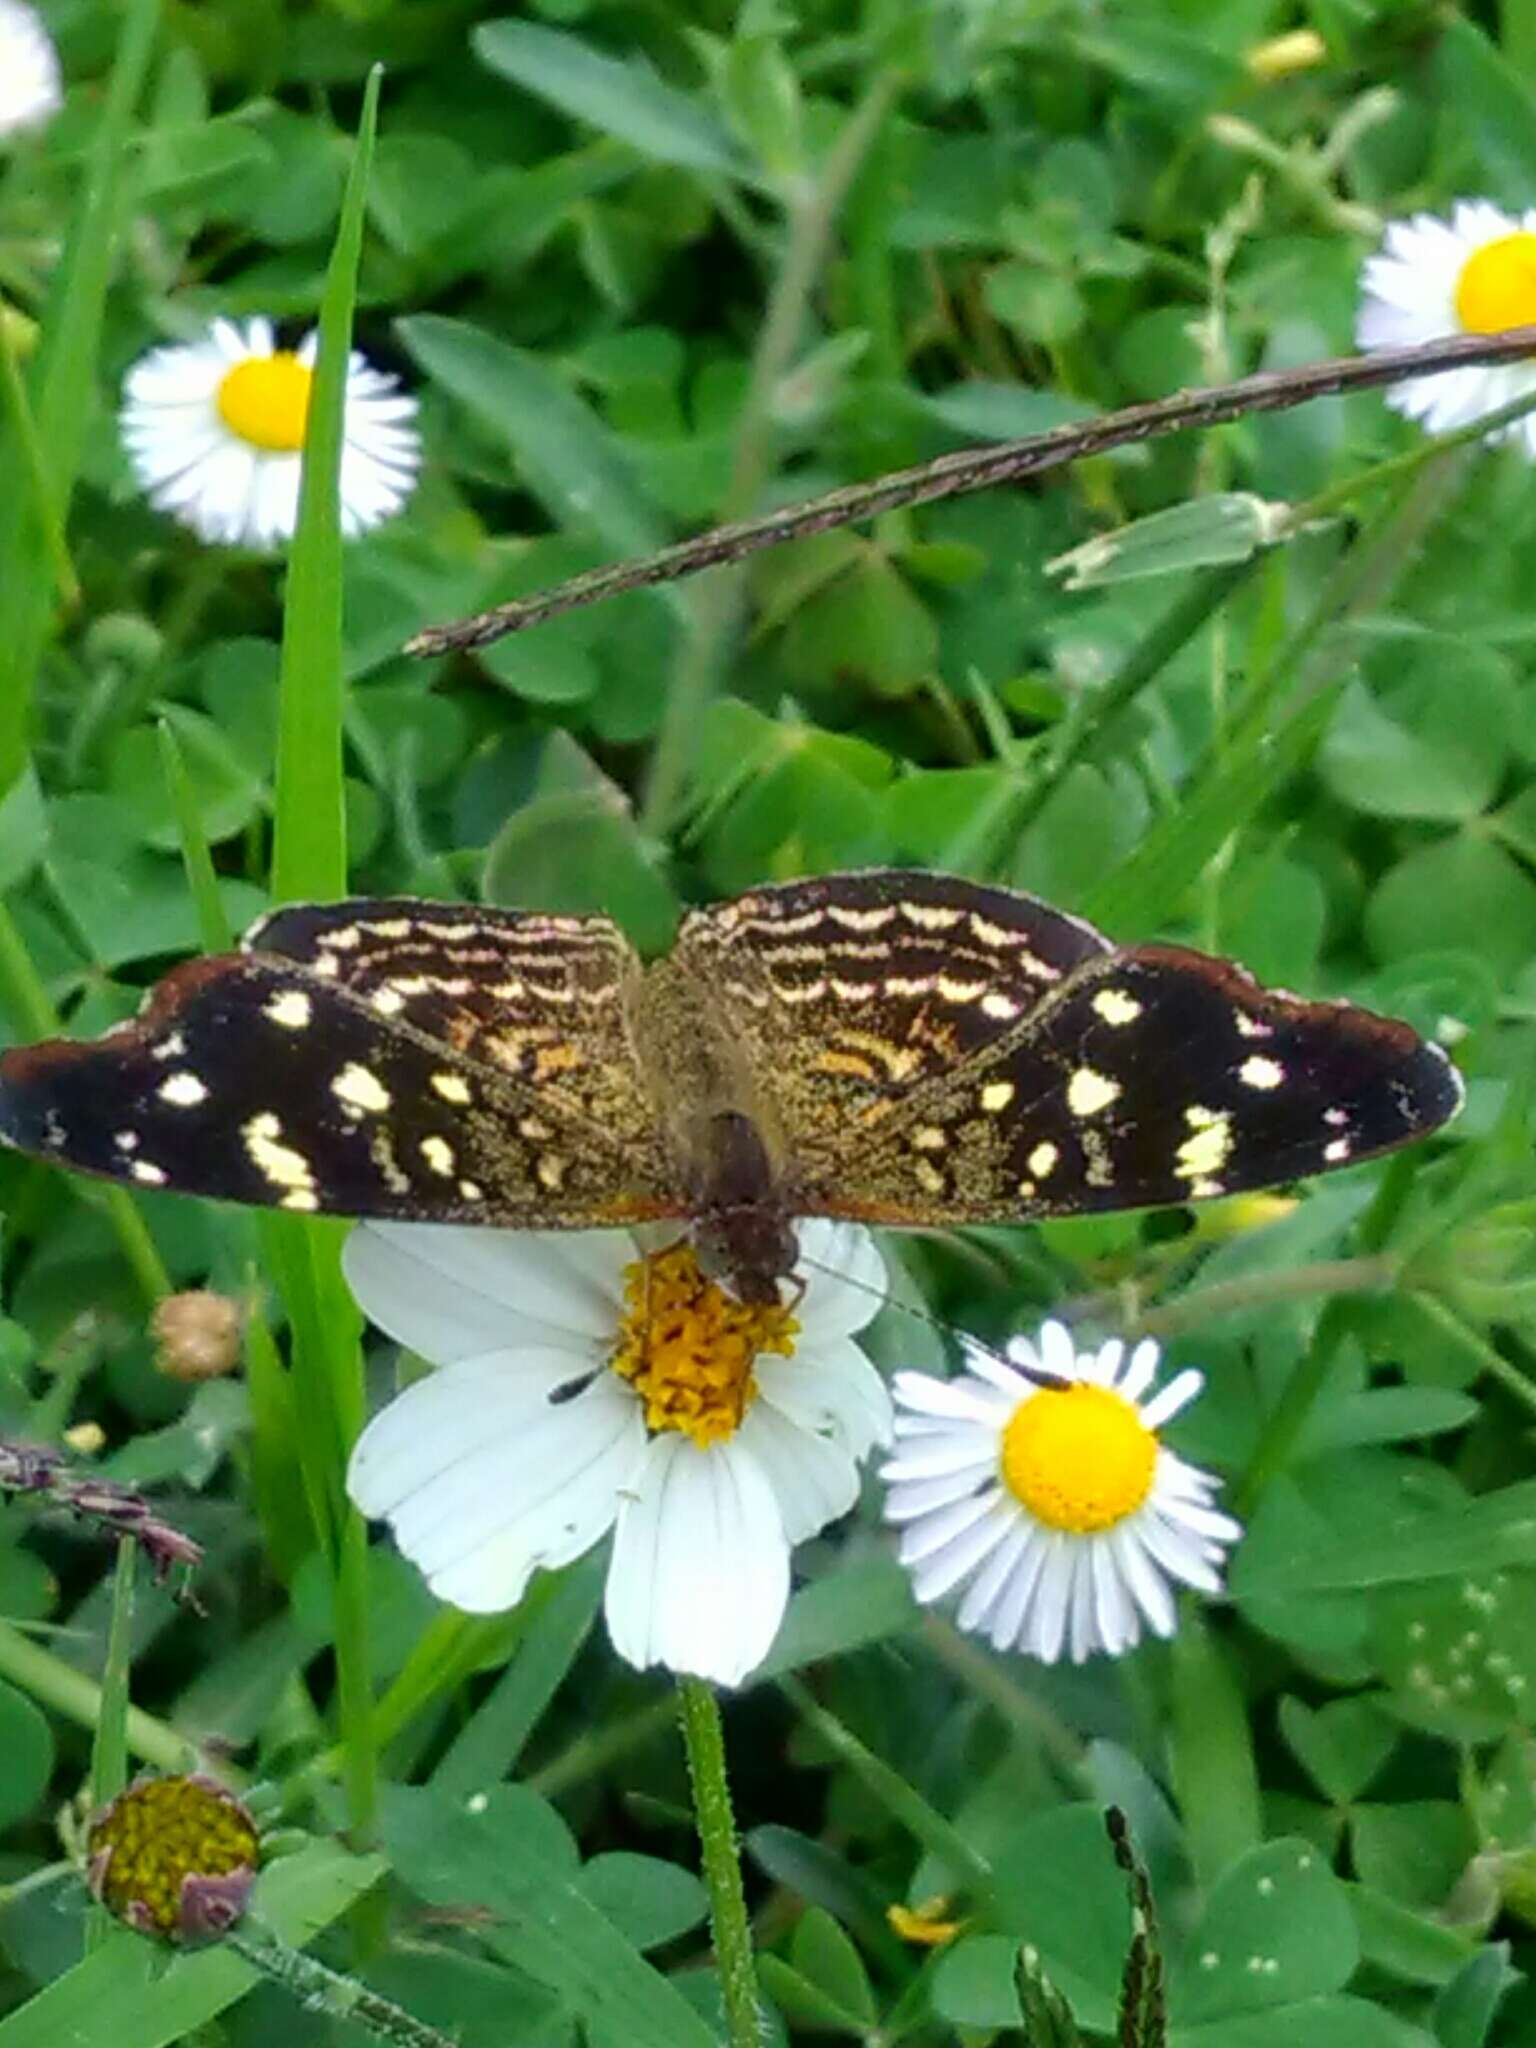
(1089, 1092)
(183, 1089)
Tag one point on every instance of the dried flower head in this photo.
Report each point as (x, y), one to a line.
(197, 1335)
(174, 1857)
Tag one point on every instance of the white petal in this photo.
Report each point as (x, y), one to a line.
(954, 1400)
(1058, 1352)
(1043, 1630)
(986, 1365)
(935, 1532)
(931, 1457)
(31, 89)
(1140, 1370)
(813, 1481)
(1015, 1604)
(830, 1389)
(483, 1480)
(846, 1281)
(700, 1573)
(1173, 1399)
(907, 1500)
(990, 1583)
(450, 1291)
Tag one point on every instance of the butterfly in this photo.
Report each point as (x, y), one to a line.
(900, 1048)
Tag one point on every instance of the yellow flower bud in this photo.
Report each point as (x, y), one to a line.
(1281, 56)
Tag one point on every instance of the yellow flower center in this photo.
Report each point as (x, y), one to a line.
(686, 1346)
(1079, 1458)
(265, 400)
(161, 1836)
(1497, 286)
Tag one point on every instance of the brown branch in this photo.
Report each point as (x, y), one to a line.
(975, 469)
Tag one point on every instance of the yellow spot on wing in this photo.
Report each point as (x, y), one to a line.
(451, 1087)
(438, 1154)
(290, 1008)
(358, 1087)
(1116, 1007)
(1043, 1159)
(1089, 1092)
(1259, 1072)
(278, 1163)
(996, 1096)
(183, 1089)
(1201, 1156)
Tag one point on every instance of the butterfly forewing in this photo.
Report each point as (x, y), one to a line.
(901, 1047)
(255, 1078)
(1149, 1076)
(542, 996)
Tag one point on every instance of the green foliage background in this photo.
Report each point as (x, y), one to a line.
(648, 267)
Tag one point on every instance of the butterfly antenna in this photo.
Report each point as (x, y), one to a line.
(1036, 1372)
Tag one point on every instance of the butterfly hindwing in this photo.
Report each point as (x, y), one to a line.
(251, 1079)
(852, 993)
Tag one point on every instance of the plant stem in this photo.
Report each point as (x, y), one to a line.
(71, 1693)
(922, 1821)
(974, 469)
(321, 1989)
(1372, 1274)
(704, 1738)
(1510, 1378)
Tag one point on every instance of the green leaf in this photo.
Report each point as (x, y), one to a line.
(1475, 1536)
(1467, 2006)
(1408, 1945)
(224, 794)
(625, 100)
(1055, 1886)
(23, 829)
(1424, 902)
(26, 1755)
(1461, 1658)
(1476, 88)
(1225, 526)
(540, 1917)
(1318, 2022)
(648, 1901)
(1280, 1902)
(127, 1995)
(866, 1601)
(803, 2002)
(1342, 1744)
(1445, 764)
(567, 458)
(823, 1954)
(582, 851)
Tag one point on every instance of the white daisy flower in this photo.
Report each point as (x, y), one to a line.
(215, 431)
(1043, 1488)
(588, 1381)
(1472, 274)
(31, 85)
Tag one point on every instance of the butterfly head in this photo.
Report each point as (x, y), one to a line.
(744, 1234)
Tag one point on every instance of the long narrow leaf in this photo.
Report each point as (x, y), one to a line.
(64, 381)
(310, 859)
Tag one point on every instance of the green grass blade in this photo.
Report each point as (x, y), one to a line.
(65, 377)
(109, 1750)
(309, 856)
(310, 859)
(202, 880)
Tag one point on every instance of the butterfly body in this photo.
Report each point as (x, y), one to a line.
(893, 1047)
